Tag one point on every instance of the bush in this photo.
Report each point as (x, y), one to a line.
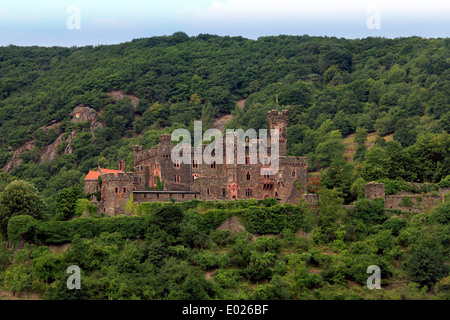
(395, 224)
(426, 265)
(21, 227)
(440, 214)
(227, 278)
(259, 266)
(207, 261)
(370, 212)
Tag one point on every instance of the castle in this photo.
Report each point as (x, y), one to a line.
(227, 180)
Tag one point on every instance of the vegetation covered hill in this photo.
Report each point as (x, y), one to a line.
(175, 251)
(64, 111)
(330, 86)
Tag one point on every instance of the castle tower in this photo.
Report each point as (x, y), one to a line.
(278, 121)
(164, 147)
(137, 149)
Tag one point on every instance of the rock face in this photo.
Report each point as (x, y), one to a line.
(232, 224)
(82, 113)
(119, 95)
(15, 160)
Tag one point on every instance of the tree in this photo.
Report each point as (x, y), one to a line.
(66, 202)
(19, 198)
(339, 175)
(376, 165)
(426, 264)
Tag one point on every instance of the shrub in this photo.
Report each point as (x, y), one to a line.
(370, 212)
(406, 202)
(395, 224)
(21, 227)
(426, 264)
(440, 214)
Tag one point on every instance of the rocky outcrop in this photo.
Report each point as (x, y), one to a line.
(233, 225)
(80, 113)
(16, 160)
(83, 113)
(119, 95)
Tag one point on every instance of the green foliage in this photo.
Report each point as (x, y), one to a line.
(66, 202)
(83, 208)
(19, 198)
(370, 212)
(21, 227)
(426, 264)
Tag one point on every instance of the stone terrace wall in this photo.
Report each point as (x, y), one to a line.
(419, 203)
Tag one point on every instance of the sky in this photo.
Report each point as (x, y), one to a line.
(94, 22)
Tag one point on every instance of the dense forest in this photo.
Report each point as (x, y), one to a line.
(395, 91)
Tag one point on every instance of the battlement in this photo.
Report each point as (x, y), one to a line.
(145, 154)
(165, 137)
(119, 177)
(374, 190)
(293, 161)
(275, 114)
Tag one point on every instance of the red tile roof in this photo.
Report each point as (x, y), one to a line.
(93, 175)
(103, 170)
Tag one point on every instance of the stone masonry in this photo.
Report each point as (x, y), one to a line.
(203, 181)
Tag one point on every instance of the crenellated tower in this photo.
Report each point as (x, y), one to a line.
(278, 121)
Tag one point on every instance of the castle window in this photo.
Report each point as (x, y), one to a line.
(213, 165)
(248, 176)
(247, 160)
(194, 163)
(223, 192)
(116, 189)
(195, 176)
(124, 189)
(208, 191)
(248, 192)
(294, 173)
(176, 163)
(276, 194)
(177, 178)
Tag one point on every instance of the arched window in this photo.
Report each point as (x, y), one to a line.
(294, 173)
(248, 192)
(177, 178)
(248, 176)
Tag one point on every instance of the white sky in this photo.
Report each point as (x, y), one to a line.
(43, 22)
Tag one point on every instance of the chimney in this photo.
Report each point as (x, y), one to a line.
(122, 165)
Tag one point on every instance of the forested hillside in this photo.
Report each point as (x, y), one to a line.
(331, 87)
(64, 111)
